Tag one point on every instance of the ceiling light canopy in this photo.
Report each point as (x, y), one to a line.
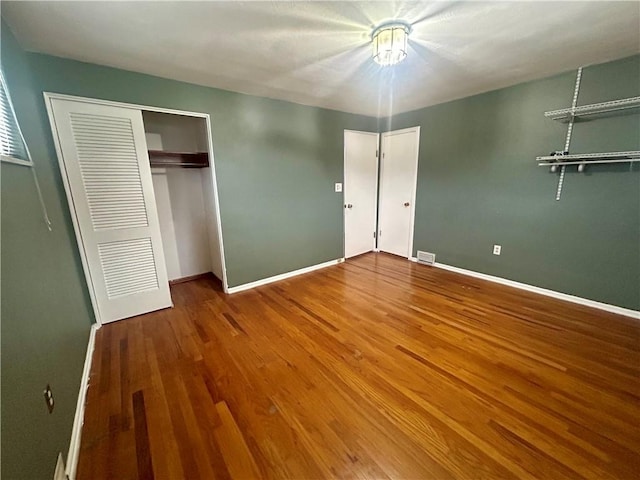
(390, 42)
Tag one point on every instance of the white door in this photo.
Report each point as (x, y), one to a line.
(360, 191)
(105, 168)
(398, 175)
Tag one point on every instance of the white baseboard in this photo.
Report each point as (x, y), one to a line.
(542, 291)
(78, 420)
(60, 473)
(283, 276)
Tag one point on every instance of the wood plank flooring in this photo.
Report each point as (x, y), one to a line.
(375, 368)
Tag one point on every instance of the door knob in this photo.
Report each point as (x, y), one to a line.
(349, 205)
(406, 204)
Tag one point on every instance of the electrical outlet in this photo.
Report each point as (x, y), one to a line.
(338, 187)
(48, 398)
(497, 249)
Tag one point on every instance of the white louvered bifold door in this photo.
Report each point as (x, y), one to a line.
(106, 164)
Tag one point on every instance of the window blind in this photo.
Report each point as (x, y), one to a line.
(11, 142)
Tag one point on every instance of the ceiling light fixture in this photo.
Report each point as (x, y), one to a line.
(390, 42)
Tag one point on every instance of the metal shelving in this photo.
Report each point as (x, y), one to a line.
(583, 159)
(570, 115)
(567, 114)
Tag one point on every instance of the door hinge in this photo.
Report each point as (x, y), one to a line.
(374, 234)
(380, 233)
(376, 153)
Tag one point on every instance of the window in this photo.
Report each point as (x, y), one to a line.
(12, 146)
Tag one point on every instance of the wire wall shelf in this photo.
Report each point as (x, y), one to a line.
(559, 160)
(567, 114)
(585, 158)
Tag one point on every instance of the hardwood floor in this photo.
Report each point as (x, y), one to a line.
(375, 368)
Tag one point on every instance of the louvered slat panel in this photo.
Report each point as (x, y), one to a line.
(93, 138)
(128, 266)
(122, 149)
(11, 141)
(109, 166)
(133, 284)
(106, 171)
(130, 283)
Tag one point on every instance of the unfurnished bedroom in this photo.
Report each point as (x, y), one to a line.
(304, 240)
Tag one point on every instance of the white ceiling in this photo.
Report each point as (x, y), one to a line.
(318, 53)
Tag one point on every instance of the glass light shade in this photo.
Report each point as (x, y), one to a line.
(390, 43)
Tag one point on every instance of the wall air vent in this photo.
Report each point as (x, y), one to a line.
(426, 258)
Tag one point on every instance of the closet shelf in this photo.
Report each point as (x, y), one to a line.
(160, 158)
(566, 114)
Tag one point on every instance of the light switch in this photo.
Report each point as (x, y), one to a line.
(338, 187)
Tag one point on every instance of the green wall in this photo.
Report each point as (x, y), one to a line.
(479, 185)
(276, 163)
(46, 313)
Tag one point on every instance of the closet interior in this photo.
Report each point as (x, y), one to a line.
(182, 178)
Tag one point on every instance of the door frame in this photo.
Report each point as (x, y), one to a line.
(48, 97)
(414, 187)
(344, 176)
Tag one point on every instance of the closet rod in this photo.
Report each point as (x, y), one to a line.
(177, 164)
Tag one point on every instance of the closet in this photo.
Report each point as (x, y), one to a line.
(379, 212)
(142, 194)
(181, 175)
